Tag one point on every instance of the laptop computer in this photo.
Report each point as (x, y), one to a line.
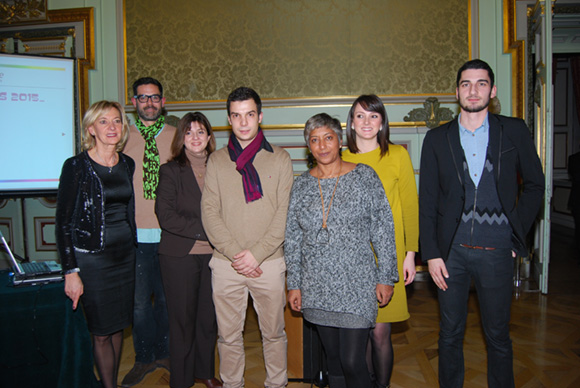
(33, 273)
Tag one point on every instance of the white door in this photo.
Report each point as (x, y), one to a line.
(541, 21)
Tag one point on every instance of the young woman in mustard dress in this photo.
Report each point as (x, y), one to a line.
(367, 133)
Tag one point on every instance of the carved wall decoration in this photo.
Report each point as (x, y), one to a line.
(53, 46)
(495, 106)
(431, 113)
(22, 11)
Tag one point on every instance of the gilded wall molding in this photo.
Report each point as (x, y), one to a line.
(173, 111)
(321, 102)
(516, 48)
(300, 127)
(22, 11)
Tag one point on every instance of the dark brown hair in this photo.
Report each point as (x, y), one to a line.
(178, 144)
(371, 103)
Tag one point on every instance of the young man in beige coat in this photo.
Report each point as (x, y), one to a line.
(244, 206)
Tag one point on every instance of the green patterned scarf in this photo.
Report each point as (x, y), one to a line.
(150, 156)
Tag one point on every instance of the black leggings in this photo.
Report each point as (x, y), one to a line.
(345, 354)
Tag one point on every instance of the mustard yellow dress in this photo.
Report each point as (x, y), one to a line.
(396, 173)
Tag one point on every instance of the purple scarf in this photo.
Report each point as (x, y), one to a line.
(243, 157)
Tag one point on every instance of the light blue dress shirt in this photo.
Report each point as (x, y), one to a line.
(475, 148)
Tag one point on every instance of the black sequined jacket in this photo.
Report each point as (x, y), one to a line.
(80, 209)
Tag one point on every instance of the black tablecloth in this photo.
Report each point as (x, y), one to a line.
(43, 342)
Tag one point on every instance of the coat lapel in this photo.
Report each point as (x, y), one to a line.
(455, 149)
(190, 181)
(494, 143)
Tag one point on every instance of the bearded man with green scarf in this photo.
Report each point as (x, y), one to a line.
(150, 146)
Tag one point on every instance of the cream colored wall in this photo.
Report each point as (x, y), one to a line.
(491, 50)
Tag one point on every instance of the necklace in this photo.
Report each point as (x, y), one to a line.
(105, 164)
(324, 211)
(197, 161)
(198, 174)
(323, 236)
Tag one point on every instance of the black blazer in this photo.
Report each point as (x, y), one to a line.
(80, 208)
(178, 210)
(441, 189)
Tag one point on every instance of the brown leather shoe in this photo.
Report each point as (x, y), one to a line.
(137, 373)
(210, 383)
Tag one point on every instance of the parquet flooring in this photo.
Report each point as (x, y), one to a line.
(545, 330)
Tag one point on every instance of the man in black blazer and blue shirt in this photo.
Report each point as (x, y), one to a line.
(474, 216)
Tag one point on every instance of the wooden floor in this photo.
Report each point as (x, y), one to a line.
(545, 330)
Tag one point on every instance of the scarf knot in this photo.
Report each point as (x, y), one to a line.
(244, 157)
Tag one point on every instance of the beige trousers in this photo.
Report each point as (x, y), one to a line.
(230, 296)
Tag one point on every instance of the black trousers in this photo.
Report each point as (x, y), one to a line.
(492, 273)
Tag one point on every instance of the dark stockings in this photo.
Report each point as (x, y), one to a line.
(345, 353)
(380, 354)
(107, 353)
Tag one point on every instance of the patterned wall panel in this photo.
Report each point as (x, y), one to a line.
(201, 50)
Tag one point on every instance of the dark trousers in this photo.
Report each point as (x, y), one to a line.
(192, 320)
(150, 324)
(492, 273)
(346, 356)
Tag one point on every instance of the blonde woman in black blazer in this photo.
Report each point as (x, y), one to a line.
(184, 255)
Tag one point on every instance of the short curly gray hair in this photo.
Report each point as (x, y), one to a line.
(322, 120)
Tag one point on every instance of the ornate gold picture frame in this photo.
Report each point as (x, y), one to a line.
(22, 11)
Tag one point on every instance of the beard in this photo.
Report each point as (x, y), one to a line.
(475, 108)
(149, 114)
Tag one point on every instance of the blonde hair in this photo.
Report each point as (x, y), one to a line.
(97, 110)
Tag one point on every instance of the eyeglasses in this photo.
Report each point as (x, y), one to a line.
(144, 97)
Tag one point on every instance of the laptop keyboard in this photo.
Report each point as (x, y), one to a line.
(35, 267)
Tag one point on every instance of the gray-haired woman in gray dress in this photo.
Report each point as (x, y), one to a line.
(337, 210)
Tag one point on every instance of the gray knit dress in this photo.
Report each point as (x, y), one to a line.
(337, 272)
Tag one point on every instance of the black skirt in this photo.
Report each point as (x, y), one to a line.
(109, 276)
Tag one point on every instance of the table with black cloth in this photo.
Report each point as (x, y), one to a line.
(43, 342)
